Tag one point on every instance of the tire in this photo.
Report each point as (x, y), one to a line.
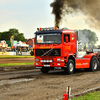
(94, 64)
(70, 67)
(45, 70)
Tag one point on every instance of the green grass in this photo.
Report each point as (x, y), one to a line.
(14, 56)
(14, 64)
(89, 96)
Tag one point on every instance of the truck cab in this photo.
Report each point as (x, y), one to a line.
(57, 49)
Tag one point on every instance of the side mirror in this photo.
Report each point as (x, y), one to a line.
(66, 38)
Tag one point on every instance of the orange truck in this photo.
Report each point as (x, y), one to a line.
(58, 49)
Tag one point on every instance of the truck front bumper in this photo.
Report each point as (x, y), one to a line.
(49, 67)
(49, 62)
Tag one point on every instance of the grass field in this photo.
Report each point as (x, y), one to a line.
(89, 96)
(16, 64)
(13, 56)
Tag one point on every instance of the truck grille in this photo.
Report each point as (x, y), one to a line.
(47, 52)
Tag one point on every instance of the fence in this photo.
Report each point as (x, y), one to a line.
(68, 92)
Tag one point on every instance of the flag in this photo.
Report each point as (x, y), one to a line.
(12, 40)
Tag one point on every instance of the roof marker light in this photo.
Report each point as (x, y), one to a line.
(47, 29)
(40, 29)
(55, 28)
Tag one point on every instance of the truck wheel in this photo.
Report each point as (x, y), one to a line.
(94, 64)
(45, 70)
(70, 67)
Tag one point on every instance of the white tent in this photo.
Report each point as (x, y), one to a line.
(20, 44)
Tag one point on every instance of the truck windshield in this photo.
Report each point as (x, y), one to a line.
(51, 38)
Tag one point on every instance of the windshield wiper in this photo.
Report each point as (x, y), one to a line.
(47, 52)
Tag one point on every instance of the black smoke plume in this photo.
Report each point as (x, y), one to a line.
(57, 10)
(90, 8)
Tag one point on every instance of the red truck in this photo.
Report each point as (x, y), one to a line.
(58, 49)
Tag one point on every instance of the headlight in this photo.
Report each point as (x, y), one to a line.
(42, 61)
(58, 64)
(58, 59)
(36, 63)
(51, 61)
(36, 59)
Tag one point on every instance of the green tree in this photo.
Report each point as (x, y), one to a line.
(0, 35)
(5, 35)
(14, 32)
(17, 36)
(87, 36)
(20, 37)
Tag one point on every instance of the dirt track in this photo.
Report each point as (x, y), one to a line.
(49, 86)
(16, 60)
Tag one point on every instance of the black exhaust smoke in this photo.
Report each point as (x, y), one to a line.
(57, 10)
(90, 8)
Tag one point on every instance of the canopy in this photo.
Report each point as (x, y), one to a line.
(20, 44)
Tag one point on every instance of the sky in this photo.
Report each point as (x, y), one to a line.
(25, 15)
(28, 15)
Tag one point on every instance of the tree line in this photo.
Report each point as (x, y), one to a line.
(12, 32)
(88, 36)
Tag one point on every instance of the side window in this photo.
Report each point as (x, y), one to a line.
(67, 36)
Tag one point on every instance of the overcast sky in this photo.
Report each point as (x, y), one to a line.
(28, 15)
(25, 15)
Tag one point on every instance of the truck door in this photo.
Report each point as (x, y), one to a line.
(67, 47)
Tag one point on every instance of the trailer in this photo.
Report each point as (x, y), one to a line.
(58, 49)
